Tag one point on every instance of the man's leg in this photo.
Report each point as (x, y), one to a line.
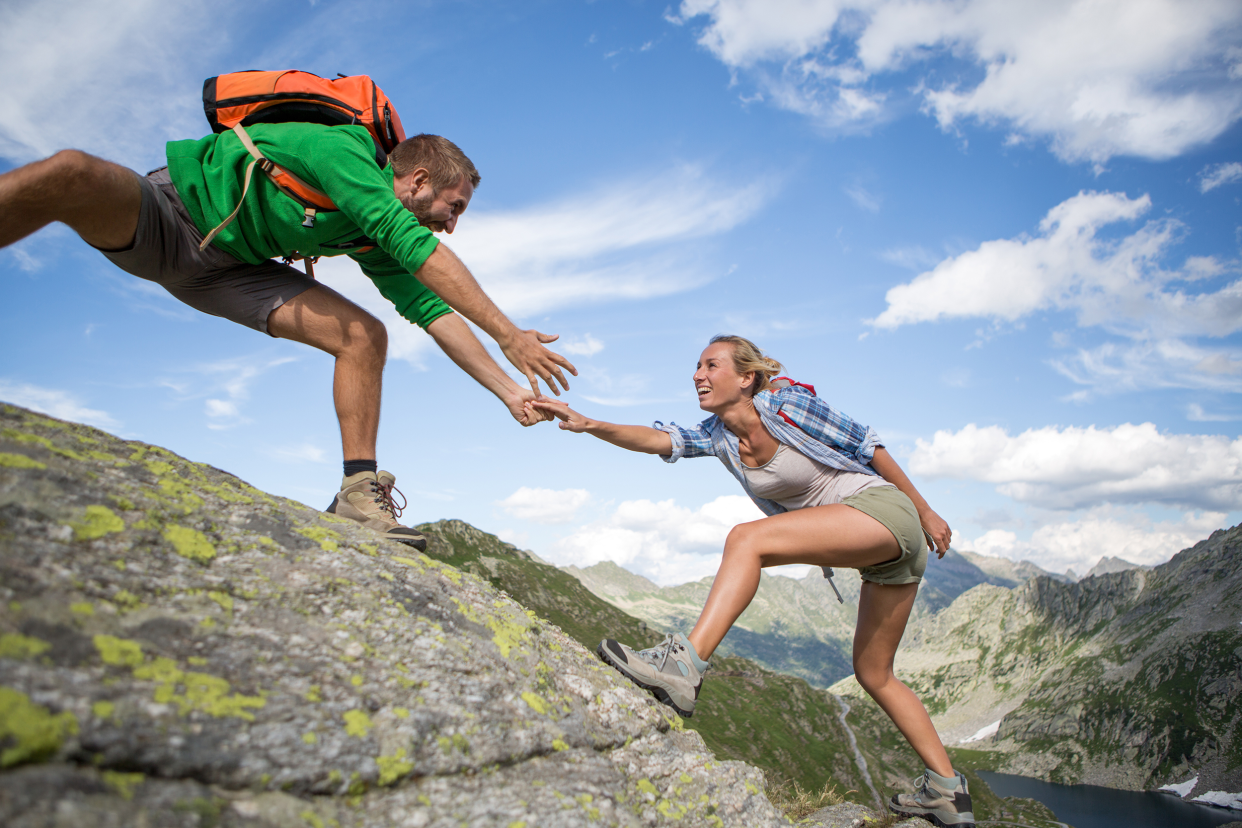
(98, 199)
(324, 319)
(321, 317)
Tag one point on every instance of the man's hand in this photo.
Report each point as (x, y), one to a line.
(523, 410)
(935, 526)
(525, 350)
(570, 420)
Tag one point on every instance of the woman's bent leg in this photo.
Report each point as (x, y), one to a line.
(822, 536)
(883, 610)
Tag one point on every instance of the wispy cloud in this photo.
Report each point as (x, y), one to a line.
(224, 386)
(1095, 78)
(616, 243)
(1219, 175)
(585, 345)
(53, 401)
(121, 77)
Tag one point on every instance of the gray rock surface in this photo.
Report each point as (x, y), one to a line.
(179, 648)
(853, 815)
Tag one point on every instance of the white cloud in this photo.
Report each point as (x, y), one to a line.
(1075, 468)
(626, 241)
(864, 198)
(1118, 284)
(1219, 175)
(224, 387)
(1096, 77)
(57, 403)
(667, 543)
(585, 345)
(548, 506)
(111, 78)
(1080, 544)
(1196, 414)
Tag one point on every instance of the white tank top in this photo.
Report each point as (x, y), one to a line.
(796, 481)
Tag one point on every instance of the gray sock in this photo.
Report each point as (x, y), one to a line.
(699, 664)
(950, 783)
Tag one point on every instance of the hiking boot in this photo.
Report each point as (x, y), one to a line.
(367, 498)
(667, 670)
(935, 803)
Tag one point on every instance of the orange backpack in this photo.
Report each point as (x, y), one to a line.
(241, 99)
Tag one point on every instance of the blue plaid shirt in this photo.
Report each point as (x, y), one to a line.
(821, 433)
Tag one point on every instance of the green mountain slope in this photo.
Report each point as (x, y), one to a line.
(1131, 679)
(796, 626)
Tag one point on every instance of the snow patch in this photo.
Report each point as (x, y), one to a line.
(1181, 789)
(983, 733)
(1221, 799)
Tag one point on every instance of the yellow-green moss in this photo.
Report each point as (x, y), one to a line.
(393, 768)
(97, 522)
(103, 709)
(29, 731)
(645, 786)
(127, 601)
(19, 461)
(119, 652)
(82, 608)
(401, 712)
(310, 738)
(314, 694)
(328, 540)
(193, 691)
(223, 599)
(559, 744)
(357, 723)
(123, 783)
(356, 681)
(190, 543)
(16, 645)
(536, 703)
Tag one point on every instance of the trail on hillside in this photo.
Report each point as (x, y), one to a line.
(858, 755)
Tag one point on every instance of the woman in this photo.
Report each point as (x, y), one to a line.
(834, 497)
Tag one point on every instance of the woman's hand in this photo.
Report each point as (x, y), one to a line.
(935, 526)
(570, 420)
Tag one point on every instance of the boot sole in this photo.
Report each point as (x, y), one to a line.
(930, 817)
(662, 695)
(419, 543)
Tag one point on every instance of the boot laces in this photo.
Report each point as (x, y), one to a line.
(383, 496)
(660, 651)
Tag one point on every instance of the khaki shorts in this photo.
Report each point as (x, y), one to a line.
(893, 509)
(165, 251)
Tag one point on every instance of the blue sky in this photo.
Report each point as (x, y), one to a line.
(1004, 234)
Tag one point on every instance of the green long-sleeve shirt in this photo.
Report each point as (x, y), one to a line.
(339, 161)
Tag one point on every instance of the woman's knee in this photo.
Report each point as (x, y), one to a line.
(742, 541)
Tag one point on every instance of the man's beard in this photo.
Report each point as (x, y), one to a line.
(420, 206)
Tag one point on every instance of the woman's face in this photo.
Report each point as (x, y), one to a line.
(716, 382)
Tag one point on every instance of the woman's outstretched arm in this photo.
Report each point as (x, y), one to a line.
(933, 523)
(632, 437)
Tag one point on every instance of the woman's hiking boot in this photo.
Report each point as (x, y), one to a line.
(940, 805)
(667, 670)
(367, 498)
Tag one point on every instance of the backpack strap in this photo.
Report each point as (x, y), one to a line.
(311, 199)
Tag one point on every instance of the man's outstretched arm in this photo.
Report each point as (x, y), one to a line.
(456, 339)
(448, 277)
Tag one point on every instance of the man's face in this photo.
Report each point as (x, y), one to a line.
(437, 210)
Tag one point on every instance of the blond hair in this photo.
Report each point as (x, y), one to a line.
(443, 160)
(747, 358)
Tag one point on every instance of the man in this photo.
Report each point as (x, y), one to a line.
(153, 227)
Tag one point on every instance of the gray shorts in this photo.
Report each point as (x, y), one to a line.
(165, 251)
(893, 509)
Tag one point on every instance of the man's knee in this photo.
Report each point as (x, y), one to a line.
(370, 336)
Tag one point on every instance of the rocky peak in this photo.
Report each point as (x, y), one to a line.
(179, 648)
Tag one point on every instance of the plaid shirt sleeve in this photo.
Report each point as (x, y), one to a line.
(687, 442)
(823, 422)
